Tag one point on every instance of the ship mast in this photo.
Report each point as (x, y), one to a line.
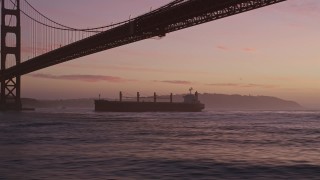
(191, 89)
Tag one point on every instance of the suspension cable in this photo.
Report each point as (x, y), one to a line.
(95, 29)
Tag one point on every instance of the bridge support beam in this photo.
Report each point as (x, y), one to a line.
(10, 26)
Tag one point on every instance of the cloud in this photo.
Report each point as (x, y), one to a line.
(258, 86)
(224, 48)
(176, 82)
(85, 78)
(120, 68)
(242, 85)
(246, 49)
(131, 68)
(249, 50)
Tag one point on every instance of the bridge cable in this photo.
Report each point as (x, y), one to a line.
(173, 3)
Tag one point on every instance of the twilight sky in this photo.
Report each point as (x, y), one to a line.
(272, 51)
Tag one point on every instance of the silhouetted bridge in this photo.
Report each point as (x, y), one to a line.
(48, 43)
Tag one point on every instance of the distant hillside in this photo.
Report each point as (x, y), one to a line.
(212, 101)
(223, 101)
(75, 103)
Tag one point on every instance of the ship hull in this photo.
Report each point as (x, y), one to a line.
(116, 106)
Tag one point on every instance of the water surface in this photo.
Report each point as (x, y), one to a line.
(82, 144)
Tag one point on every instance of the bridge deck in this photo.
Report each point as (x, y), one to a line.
(158, 23)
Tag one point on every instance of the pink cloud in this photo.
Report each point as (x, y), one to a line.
(86, 78)
(130, 68)
(258, 86)
(249, 50)
(224, 48)
(122, 68)
(242, 85)
(224, 84)
(175, 82)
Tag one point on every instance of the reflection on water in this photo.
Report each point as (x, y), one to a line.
(81, 144)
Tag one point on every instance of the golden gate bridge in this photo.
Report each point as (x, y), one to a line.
(31, 41)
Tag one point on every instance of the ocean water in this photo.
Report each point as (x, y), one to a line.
(82, 144)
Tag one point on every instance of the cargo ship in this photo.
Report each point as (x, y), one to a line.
(191, 103)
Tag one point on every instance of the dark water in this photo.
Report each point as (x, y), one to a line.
(80, 144)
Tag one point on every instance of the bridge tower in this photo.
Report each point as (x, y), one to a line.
(10, 88)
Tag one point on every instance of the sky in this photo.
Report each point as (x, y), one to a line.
(273, 51)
